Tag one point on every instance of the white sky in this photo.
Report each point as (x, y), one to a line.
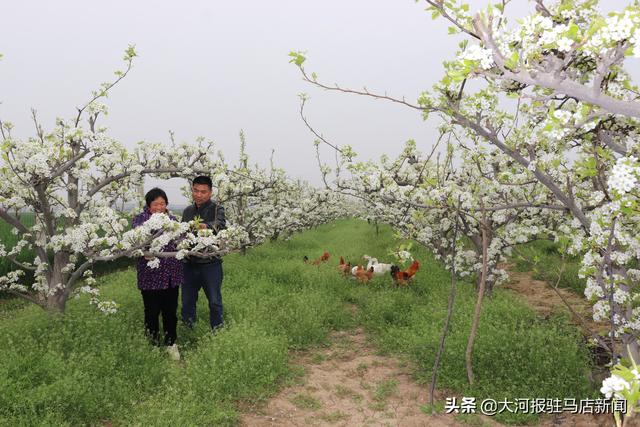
(214, 67)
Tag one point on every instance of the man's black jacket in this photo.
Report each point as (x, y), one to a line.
(210, 213)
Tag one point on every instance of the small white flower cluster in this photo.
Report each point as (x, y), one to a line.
(618, 27)
(614, 386)
(624, 175)
(476, 53)
(154, 263)
(108, 307)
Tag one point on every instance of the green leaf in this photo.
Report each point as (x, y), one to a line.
(573, 31)
(297, 58)
(130, 53)
(512, 61)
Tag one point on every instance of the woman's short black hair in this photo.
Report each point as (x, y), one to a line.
(203, 179)
(153, 194)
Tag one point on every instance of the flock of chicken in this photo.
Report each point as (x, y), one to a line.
(374, 268)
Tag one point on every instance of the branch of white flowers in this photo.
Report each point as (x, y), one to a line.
(462, 120)
(542, 177)
(67, 165)
(108, 180)
(550, 81)
(92, 258)
(188, 254)
(13, 169)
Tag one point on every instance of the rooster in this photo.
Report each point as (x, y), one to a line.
(344, 267)
(403, 277)
(363, 275)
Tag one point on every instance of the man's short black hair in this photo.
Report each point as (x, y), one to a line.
(203, 179)
(153, 194)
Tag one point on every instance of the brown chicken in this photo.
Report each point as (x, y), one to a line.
(323, 258)
(344, 267)
(363, 275)
(403, 277)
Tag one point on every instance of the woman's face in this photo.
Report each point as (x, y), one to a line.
(159, 205)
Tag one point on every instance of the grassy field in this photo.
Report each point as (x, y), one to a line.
(85, 368)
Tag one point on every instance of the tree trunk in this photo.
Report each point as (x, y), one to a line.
(445, 328)
(476, 315)
(57, 301)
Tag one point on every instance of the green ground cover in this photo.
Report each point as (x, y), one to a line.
(86, 368)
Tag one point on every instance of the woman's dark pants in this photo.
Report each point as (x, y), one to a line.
(161, 302)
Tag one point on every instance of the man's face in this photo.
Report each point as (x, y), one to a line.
(200, 193)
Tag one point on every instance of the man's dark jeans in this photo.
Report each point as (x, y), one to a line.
(208, 277)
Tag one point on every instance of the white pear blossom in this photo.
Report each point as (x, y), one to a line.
(613, 386)
(477, 53)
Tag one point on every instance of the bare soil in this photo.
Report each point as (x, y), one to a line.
(348, 384)
(546, 301)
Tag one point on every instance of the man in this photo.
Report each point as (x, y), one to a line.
(200, 272)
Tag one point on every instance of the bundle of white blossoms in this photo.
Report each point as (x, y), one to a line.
(623, 384)
(624, 175)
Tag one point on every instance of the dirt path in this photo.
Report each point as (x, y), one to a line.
(348, 384)
(545, 301)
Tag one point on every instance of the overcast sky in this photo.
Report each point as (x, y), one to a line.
(214, 67)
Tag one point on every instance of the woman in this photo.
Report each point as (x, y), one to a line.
(159, 286)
